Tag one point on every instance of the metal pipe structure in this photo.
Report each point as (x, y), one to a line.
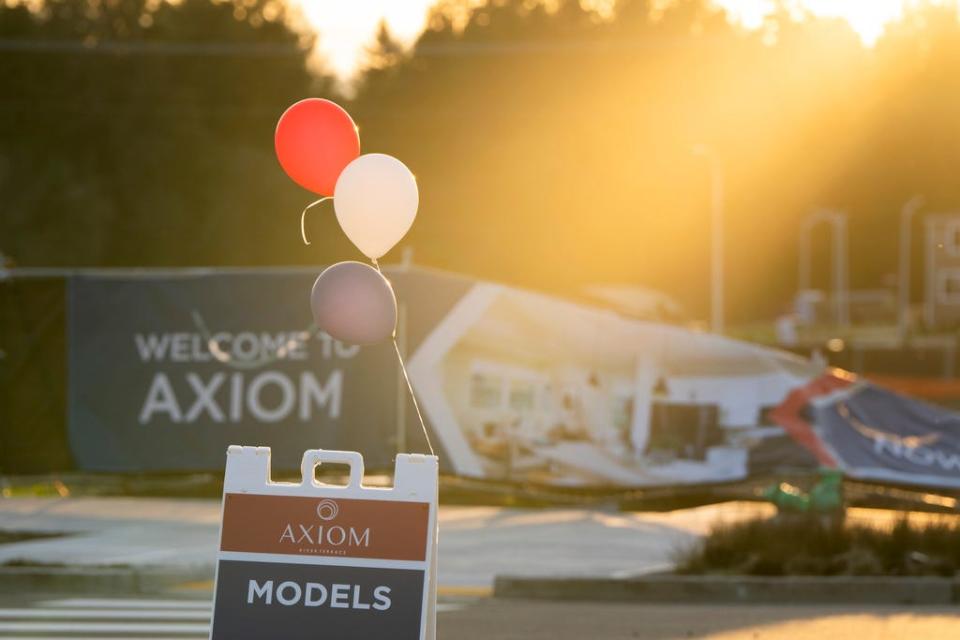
(401, 390)
(839, 278)
(907, 211)
(841, 286)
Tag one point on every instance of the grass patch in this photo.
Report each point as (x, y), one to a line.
(815, 546)
(10, 537)
(23, 563)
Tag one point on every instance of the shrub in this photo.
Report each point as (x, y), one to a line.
(813, 545)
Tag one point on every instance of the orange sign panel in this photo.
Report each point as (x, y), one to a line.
(350, 528)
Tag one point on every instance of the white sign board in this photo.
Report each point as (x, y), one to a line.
(308, 560)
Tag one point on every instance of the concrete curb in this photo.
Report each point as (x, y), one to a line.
(75, 579)
(736, 589)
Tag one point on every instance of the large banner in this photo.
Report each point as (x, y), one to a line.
(167, 370)
(874, 434)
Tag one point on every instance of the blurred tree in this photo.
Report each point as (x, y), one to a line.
(132, 129)
(552, 142)
(384, 57)
(386, 52)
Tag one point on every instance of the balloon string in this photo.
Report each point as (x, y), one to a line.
(303, 217)
(278, 354)
(413, 396)
(406, 377)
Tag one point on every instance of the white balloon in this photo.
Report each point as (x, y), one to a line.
(376, 200)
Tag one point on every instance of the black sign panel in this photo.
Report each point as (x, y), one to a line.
(257, 600)
(166, 372)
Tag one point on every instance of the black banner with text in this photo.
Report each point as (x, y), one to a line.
(166, 372)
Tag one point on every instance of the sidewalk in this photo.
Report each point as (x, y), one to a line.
(476, 543)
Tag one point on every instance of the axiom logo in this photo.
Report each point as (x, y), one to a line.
(323, 538)
(327, 510)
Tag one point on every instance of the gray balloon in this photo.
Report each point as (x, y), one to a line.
(354, 303)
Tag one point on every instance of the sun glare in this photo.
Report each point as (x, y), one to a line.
(347, 27)
(868, 18)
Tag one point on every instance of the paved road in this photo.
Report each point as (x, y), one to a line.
(519, 620)
(175, 617)
(476, 543)
(105, 618)
(163, 616)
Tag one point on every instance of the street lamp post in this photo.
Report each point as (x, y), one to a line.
(909, 209)
(716, 235)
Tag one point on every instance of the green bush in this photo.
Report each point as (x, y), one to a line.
(812, 545)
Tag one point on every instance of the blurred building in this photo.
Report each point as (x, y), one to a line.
(634, 301)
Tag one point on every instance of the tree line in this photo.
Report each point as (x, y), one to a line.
(553, 144)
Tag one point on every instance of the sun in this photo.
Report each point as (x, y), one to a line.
(346, 27)
(867, 17)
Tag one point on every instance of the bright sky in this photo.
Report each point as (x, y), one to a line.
(867, 17)
(347, 26)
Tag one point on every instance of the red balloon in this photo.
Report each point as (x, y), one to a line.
(315, 140)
